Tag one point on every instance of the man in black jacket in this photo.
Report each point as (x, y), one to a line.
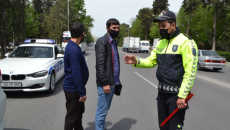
(107, 69)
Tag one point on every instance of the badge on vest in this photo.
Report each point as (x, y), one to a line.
(174, 48)
(194, 51)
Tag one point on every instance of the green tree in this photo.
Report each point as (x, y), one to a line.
(137, 30)
(88, 24)
(31, 29)
(146, 17)
(55, 21)
(12, 20)
(159, 5)
(219, 7)
(42, 9)
(126, 27)
(201, 23)
(190, 7)
(154, 31)
(123, 33)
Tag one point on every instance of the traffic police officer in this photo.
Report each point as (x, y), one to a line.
(176, 57)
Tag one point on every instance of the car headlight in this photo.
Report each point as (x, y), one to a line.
(38, 74)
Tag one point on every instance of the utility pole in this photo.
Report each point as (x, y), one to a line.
(68, 15)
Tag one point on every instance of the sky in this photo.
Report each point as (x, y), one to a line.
(123, 10)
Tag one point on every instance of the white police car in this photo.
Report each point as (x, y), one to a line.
(32, 67)
(2, 105)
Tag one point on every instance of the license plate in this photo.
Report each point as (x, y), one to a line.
(11, 84)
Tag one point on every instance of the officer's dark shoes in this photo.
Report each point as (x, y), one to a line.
(118, 89)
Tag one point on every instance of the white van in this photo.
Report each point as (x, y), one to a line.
(155, 41)
(144, 46)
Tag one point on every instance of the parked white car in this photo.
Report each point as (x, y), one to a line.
(32, 67)
(2, 105)
(144, 46)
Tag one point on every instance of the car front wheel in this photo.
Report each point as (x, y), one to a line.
(52, 83)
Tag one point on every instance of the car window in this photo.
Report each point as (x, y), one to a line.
(209, 53)
(143, 44)
(32, 52)
(147, 44)
(60, 50)
(198, 53)
(66, 39)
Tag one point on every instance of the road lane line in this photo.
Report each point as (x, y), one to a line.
(213, 80)
(146, 80)
(129, 54)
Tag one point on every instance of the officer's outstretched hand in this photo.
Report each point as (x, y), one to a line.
(130, 59)
(181, 104)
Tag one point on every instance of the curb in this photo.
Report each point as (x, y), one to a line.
(228, 63)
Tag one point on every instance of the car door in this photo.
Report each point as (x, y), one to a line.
(201, 59)
(61, 51)
(59, 63)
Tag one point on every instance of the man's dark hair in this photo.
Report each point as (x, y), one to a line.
(77, 29)
(171, 22)
(112, 21)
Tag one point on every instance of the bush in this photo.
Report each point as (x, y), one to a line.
(224, 54)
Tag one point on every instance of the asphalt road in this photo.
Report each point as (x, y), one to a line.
(135, 109)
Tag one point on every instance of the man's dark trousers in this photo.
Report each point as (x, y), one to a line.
(166, 104)
(75, 110)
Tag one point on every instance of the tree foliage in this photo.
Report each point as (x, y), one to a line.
(145, 15)
(219, 7)
(137, 29)
(39, 19)
(159, 6)
(201, 28)
(190, 7)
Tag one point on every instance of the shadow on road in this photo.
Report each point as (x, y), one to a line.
(211, 70)
(42, 94)
(87, 54)
(123, 124)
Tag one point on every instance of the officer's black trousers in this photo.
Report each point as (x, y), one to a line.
(166, 104)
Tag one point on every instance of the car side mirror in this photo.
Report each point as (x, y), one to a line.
(60, 56)
(7, 54)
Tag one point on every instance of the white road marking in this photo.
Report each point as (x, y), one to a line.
(199, 76)
(146, 80)
(213, 80)
(129, 54)
(122, 52)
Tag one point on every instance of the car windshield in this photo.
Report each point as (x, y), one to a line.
(32, 52)
(209, 53)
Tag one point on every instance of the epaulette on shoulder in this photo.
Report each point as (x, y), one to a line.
(189, 37)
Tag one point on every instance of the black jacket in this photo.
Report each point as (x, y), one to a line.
(104, 61)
